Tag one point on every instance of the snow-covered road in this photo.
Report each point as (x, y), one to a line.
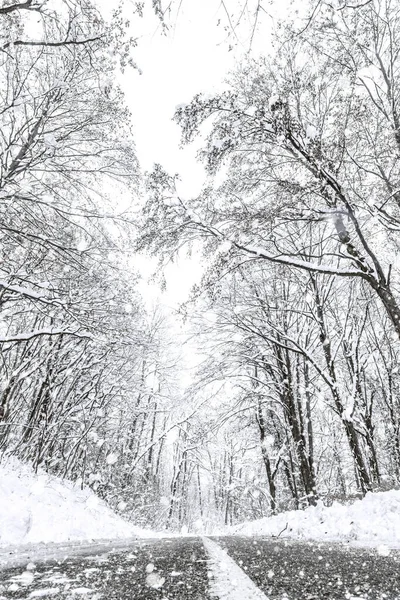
(227, 568)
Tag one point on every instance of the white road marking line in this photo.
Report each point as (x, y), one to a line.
(227, 580)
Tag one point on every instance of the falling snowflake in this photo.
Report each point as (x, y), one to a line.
(155, 581)
(112, 458)
(150, 568)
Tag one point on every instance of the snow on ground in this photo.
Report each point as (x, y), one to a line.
(374, 520)
(227, 580)
(42, 508)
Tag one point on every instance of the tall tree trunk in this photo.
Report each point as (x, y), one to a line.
(267, 463)
(199, 490)
(289, 402)
(351, 432)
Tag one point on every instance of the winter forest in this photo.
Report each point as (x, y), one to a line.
(276, 382)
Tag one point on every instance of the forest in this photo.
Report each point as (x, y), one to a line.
(276, 384)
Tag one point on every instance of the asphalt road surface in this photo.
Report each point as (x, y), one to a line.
(228, 568)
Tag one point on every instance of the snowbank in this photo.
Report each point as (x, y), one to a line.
(42, 508)
(373, 520)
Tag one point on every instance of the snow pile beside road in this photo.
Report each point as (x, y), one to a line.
(373, 520)
(42, 508)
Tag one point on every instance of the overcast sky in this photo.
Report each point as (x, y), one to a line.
(189, 59)
(193, 56)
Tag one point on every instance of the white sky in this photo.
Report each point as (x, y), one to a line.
(194, 56)
(176, 66)
(189, 59)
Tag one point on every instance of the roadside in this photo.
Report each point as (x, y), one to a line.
(38, 507)
(45, 518)
(373, 521)
(22, 554)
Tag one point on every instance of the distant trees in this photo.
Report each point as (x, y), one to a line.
(299, 415)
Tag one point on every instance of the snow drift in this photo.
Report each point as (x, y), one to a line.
(43, 508)
(373, 520)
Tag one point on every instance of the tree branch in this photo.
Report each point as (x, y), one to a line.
(6, 10)
(52, 44)
(29, 335)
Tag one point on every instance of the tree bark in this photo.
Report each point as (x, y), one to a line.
(351, 432)
(266, 460)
